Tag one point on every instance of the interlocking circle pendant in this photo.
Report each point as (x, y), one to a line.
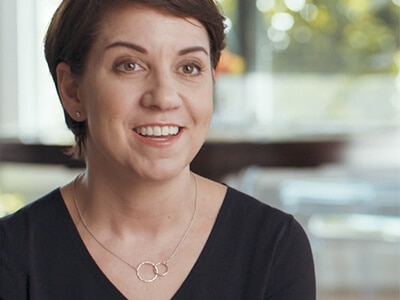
(155, 269)
(164, 266)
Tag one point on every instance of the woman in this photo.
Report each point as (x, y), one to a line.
(135, 79)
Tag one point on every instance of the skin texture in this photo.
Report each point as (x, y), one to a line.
(147, 69)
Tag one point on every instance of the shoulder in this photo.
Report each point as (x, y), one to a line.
(17, 231)
(226, 204)
(19, 222)
(251, 208)
(278, 240)
(244, 215)
(38, 206)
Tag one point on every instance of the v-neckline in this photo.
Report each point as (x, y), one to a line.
(94, 268)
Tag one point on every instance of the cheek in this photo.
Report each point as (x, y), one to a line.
(203, 109)
(208, 102)
(104, 99)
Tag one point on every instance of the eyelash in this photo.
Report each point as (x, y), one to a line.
(134, 66)
(196, 68)
(121, 66)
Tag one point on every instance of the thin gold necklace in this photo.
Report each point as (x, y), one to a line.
(154, 266)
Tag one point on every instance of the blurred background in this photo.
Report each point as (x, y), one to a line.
(307, 119)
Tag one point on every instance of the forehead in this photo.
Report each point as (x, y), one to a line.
(146, 24)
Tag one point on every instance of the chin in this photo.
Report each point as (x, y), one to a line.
(163, 172)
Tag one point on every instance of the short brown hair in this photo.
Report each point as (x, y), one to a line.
(75, 27)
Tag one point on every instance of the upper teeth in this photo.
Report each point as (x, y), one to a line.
(158, 130)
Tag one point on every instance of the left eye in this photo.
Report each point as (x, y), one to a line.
(190, 69)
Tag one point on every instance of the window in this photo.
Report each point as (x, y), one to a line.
(293, 68)
(29, 106)
(316, 67)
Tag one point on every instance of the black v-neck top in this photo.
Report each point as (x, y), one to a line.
(253, 252)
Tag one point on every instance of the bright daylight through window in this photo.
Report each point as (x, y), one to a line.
(311, 67)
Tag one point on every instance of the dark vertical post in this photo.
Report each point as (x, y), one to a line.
(247, 32)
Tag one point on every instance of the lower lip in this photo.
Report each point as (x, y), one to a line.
(159, 141)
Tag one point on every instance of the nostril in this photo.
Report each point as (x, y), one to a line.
(162, 97)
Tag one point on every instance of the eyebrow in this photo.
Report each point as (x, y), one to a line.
(193, 49)
(126, 45)
(143, 50)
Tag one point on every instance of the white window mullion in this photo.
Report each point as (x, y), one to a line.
(51, 125)
(8, 72)
(26, 67)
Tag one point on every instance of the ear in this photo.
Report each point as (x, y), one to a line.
(68, 89)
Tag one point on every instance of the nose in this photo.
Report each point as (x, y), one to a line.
(162, 92)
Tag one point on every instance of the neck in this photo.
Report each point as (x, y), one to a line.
(138, 206)
(155, 266)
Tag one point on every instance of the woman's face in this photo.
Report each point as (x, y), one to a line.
(147, 93)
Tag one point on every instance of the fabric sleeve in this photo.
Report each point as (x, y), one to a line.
(13, 265)
(292, 271)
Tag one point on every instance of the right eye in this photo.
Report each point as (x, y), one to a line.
(128, 67)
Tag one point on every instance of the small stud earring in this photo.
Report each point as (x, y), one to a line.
(77, 114)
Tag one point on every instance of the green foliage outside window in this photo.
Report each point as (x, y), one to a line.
(346, 36)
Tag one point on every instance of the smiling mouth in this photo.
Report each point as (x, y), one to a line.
(157, 131)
